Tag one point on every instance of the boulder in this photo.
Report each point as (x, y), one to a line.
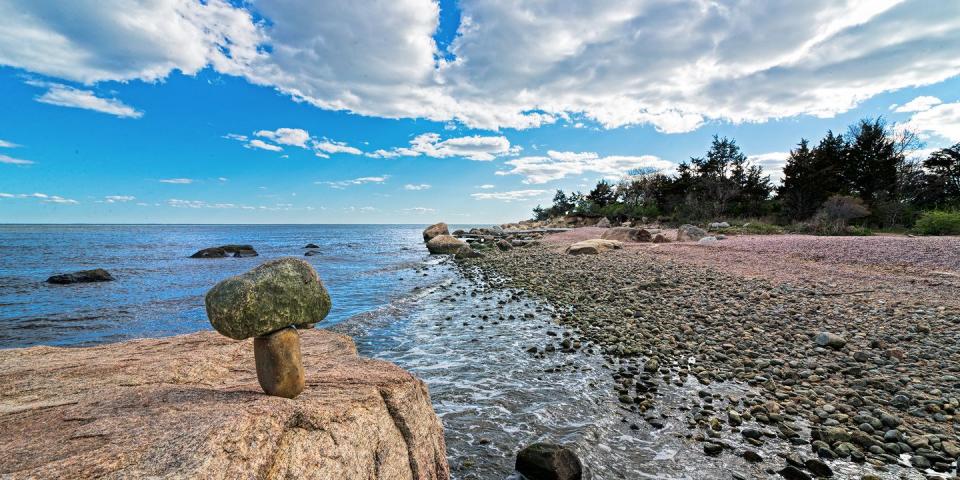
(311, 245)
(190, 407)
(660, 238)
(83, 276)
(504, 245)
(627, 234)
(224, 251)
(277, 294)
(707, 240)
(434, 230)
(689, 232)
(603, 223)
(467, 253)
(310, 253)
(545, 461)
(831, 340)
(593, 246)
(445, 244)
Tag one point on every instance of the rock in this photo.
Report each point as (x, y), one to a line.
(712, 449)
(279, 364)
(496, 230)
(627, 234)
(719, 225)
(433, 230)
(660, 238)
(689, 232)
(310, 253)
(818, 468)
(832, 340)
(707, 240)
(311, 245)
(83, 276)
(593, 247)
(752, 457)
(793, 473)
(277, 294)
(504, 245)
(467, 253)
(445, 244)
(603, 223)
(545, 461)
(190, 407)
(226, 251)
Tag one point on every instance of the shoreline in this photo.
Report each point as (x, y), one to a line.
(885, 398)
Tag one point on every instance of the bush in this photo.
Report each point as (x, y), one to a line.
(938, 223)
(755, 228)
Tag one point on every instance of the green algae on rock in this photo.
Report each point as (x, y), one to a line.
(276, 294)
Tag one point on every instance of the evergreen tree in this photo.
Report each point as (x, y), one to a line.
(942, 179)
(873, 162)
(796, 191)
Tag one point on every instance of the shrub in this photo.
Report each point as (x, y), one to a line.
(756, 228)
(938, 223)
(836, 212)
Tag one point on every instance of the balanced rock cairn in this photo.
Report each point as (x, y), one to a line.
(270, 303)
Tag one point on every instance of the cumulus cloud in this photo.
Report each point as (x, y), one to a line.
(422, 186)
(672, 64)
(67, 96)
(14, 161)
(43, 197)
(327, 146)
(119, 198)
(296, 137)
(941, 120)
(178, 181)
(474, 147)
(557, 165)
(918, 104)
(341, 184)
(260, 144)
(508, 196)
(772, 163)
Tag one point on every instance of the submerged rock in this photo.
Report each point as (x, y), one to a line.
(546, 461)
(311, 245)
(83, 276)
(277, 294)
(593, 247)
(434, 230)
(445, 244)
(224, 251)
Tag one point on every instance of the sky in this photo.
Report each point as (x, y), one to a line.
(414, 111)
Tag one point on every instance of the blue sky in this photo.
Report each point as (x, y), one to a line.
(176, 111)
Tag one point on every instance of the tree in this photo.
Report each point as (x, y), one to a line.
(796, 191)
(602, 195)
(942, 179)
(872, 163)
(561, 204)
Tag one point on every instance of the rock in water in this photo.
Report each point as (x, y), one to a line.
(277, 294)
(312, 245)
(832, 340)
(690, 232)
(545, 461)
(226, 251)
(279, 365)
(627, 234)
(434, 230)
(445, 244)
(83, 276)
(593, 247)
(604, 223)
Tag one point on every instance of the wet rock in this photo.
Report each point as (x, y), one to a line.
(831, 340)
(311, 253)
(83, 276)
(793, 473)
(279, 364)
(276, 294)
(433, 230)
(545, 461)
(712, 449)
(818, 468)
(224, 251)
(688, 232)
(311, 245)
(752, 457)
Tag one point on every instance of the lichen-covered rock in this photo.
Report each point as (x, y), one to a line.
(593, 246)
(277, 294)
(446, 244)
(83, 276)
(690, 232)
(434, 230)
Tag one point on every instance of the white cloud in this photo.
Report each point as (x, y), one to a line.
(918, 104)
(341, 184)
(67, 96)
(331, 146)
(772, 163)
(420, 210)
(43, 197)
(223, 179)
(508, 196)
(485, 186)
(179, 203)
(474, 147)
(296, 137)
(676, 64)
(257, 143)
(119, 198)
(557, 165)
(422, 186)
(6, 144)
(14, 161)
(179, 181)
(941, 120)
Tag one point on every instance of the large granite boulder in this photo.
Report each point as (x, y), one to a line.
(627, 234)
(190, 407)
(223, 251)
(593, 247)
(688, 232)
(446, 244)
(434, 230)
(546, 461)
(277, 294)
(83, 276)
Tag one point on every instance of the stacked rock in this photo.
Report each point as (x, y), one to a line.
(269, 303)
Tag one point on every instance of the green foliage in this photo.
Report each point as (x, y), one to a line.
(938, 222)
(755, 227)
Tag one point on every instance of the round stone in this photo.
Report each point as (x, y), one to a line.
(279, 363)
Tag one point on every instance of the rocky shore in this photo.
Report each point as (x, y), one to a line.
(190, 407)
(835, 375)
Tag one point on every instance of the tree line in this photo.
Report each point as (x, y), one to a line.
(864, 173)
